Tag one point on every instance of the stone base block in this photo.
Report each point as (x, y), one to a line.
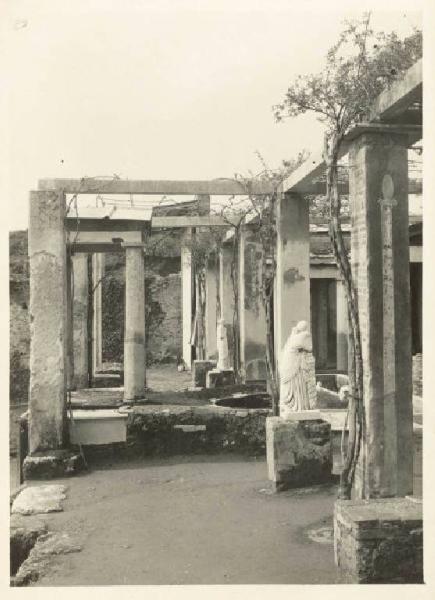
(215, 378)
(299, 452)
(96, 427)
(51, 464)
(379, 541)
(200, 368)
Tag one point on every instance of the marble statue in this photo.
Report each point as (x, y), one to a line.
(222, 347)
(297, 372)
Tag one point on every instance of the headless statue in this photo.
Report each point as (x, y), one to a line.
(222, 347)
(297, 372)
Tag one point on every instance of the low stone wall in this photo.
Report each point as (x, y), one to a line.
(379, 541)
(172, 430)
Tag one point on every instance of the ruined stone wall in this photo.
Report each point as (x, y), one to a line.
(162, 308)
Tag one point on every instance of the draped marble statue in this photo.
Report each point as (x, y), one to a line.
(297, 372)
(222, 347)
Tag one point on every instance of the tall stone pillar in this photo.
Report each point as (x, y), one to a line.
(186, 290)
(292, 283)
(211, 310)
(69, 324)
(342, 328)
(98, 263)
(380, 262)
(226, 292)
(320, 302)
(251, 308)
(48, 282)
(80, 320)
(134, 338)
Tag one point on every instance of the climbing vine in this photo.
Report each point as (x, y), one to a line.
(358, 68)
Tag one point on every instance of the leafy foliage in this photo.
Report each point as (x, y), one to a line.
(358, 67)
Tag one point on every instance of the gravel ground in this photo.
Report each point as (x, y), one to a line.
(191, 520)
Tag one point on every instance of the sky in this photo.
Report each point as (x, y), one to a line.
(158, 90)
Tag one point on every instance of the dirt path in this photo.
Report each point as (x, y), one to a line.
(191, 520)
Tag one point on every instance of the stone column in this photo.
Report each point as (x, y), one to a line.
(251, 309)
(342, 328)
(134, 338)
(80, 320)
(292, 285)
(47, 258)
(380, 260)
(69, 325)
(211, 311)
(186, 290)
(98, 262)
(226, 291)
(320, 302)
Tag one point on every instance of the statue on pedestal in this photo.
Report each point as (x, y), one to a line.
(297, 372)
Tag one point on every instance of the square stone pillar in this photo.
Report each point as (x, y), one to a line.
(226, 291)
(98, 264)
(80, 320)
(210, 324)
(342, 328)
(69, 324)
(226, 294)
(251, 308)
(134, 338)
(48, 283)
(380, 264)
(292, 283)
(187, 293)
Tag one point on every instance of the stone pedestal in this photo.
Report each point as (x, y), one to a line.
(47, 259)
(216, 378)
(200, 369)
(379, 541)
(134, 338)
(80, 320)
(299, 451)
(52, 464)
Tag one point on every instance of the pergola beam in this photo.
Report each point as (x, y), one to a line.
(389, 104)
(395, 100)
(215, 187)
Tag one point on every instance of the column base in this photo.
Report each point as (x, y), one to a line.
(52, 464)
(216, 378)
(299, 452)
(379, 541)
(200, 369)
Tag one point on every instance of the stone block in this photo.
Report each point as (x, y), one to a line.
(52, 464)
(379, 541)
(299, 452)
(200, 369)
(216, 378)
(97, 427)
(39, 499)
